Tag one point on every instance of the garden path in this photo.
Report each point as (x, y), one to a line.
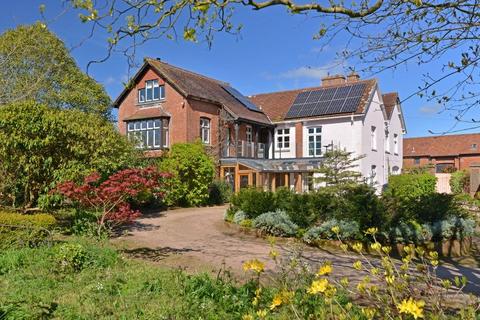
(197, 239)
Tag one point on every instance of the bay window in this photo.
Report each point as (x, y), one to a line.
(149, 133)
(314, 141)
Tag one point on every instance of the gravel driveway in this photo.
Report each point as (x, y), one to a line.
(197, 239)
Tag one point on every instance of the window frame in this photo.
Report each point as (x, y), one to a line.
(283, 139)
(317, 138)
(152, 87)
(373, 138)
(205, 128)
(416, 160)
(146, 129)
(249, 133)
(387, 141)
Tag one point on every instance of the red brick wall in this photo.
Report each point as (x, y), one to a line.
(462, 162)
(184, 115)
(467, 160)
(299, 139)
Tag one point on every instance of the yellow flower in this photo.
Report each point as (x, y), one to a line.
(318, 286)
(358, 247)
(276, 302)
(344, 281)
(371, 231)
(262, 313)
(390, 279)
(376, 246)
(344, 247)
(374, 271)
(247, 317)
(255, 301)
(273, 254)
(325, 269)
(357, 265)
(410, 306)
(336, 229)
(369, 312)
(434, 263)
(254, 265)
(386, 249)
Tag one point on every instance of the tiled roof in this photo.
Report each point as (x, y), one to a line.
(449, 145)
(390, 101)
(277, 104)
(194, 85)
(146, 113)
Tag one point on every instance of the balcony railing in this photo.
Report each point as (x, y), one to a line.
(245, 149)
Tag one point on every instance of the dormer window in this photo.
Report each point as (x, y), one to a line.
(152, 92)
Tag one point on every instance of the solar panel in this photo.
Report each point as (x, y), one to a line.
(241, 98)
(327, 101)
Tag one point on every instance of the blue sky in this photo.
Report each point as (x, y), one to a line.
(275, 51)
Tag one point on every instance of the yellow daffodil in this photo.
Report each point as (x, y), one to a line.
(357, 265)
(318, 286)
(344, 247)
(247, 317)
(344, 281)
(371, 231)
(374, 271)
(336, 229)
(325, 269)
(254, 265)
(412, 307)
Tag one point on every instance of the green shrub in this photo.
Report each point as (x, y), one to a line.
(239, 216)
(247, 223)
(219, 192)
(71, 257)
(193, 171)
(411, 186)
(42, 220)
(41, 146)
(409, 232)
(349, 230)
(228, 215)
(253, 202)
(18, 230)
(460, 182)
(359, 203)
(276, 223)
(454, 228)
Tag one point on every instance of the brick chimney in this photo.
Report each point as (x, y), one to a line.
(333, 80)
(353, 77)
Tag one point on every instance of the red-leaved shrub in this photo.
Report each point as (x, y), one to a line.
(111, 199)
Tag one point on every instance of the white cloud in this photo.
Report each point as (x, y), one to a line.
(430, 109)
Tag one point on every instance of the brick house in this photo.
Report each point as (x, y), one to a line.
(442, 152)
(267, 140)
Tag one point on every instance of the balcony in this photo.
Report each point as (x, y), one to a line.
(245, 149)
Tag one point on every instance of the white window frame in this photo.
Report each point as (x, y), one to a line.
(249, 133)
(314, 135)
(283, 139)
(205, 130)
(146, 130)
(373, 174)
(387, 141)
(395, 144)
(373, 138)
(151, 85)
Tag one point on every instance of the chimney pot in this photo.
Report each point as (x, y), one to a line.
(353, 77)
(333, 80)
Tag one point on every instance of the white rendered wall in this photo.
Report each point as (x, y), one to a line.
(395, 127)
(374, 117)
